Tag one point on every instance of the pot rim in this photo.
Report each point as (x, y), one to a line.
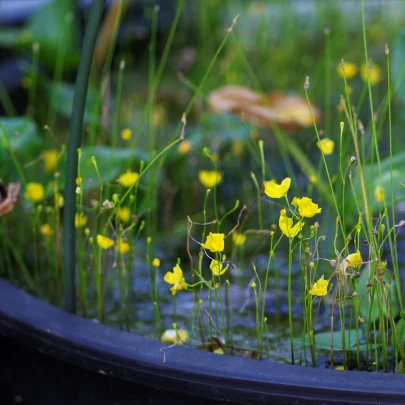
(124, 355)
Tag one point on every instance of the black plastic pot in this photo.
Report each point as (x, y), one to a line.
(48, 356)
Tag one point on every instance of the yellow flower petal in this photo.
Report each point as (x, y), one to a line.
(178, 336)
(50, 160)
(184, 147)
(326, 145)
(122, 246)
(320, 288)
(80, 220)
(175, 276)
(217, 268)
(379, 194)
(209, 178)
(215, 242)
(274, 190)
(124, 214)
(46, 230)
(128, 179)
(126, 134)
(238, 238)
(350, 71)
(34, 192)
(104, 242)
(354, 260)
(306, 207)
(375, 73)
(286, 225)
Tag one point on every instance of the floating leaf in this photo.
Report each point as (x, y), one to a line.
(288, 111)
(25, 142)
(370, 308)
(110, 163)
(52, 24)
(61, 96)
(323, 341)
(373, 180)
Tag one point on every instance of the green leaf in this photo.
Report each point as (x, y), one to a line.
(25, 141)
(398, 65)
(372, 178)
(323, 340)
(111, 164)
(52, 27)
(61, 97)
(369, 308)
(400, 326)
(15, 38)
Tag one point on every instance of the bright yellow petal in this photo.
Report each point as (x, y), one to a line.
(354, 260)
(274, 190)
(215, 242)
(320, 288)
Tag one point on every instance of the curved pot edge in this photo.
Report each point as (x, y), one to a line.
(124, 355)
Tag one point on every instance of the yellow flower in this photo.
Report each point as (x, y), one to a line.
(354, 260)
(306, 207)
(320, 288)
(34, 192)
(60, 200)
(50, 160)
(215, 242)
(216, 268)
(46, 230)
(128, 179)
(209, 178)
(379, 194)
(80, 220)
(124, 214)
(156, 262)
(184, 147)
(122, 246)
(126, 134)
(326, 145)
(79, 181)
(375, 73)
(351, 70)
(274, 190)
(104, 242)
(176, 278)
(178, 336)
(286, 225)
(313, 179)
(238, 238)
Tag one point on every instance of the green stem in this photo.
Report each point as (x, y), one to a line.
(75, 137)
(289, 293)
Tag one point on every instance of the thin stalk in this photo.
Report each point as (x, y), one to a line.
(6, 101)
(259, 199)
(289, 293)
(117, 110)
(394, 252)
(34, 78)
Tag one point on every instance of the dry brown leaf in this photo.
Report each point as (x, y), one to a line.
(8, 197)
(288, 111)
